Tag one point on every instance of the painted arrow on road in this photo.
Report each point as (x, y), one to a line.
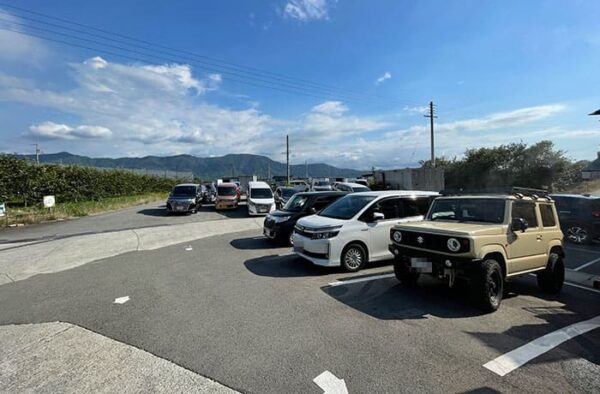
(121, 300)
(330, 384)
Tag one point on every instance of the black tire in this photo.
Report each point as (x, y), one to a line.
(578, 234)
(487, 285)
(354, 257)
(403, 274)
(552, 278)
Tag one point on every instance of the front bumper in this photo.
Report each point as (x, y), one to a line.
(439, 261)
(179, 206)
(278, 230)
(260, 209)
(226, 204)
(323, 252)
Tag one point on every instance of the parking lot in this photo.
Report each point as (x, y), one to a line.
(244, 312)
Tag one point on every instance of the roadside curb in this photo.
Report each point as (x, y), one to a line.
(582, 279)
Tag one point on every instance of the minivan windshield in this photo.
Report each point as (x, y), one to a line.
(184, 191)
(346, 207)
(288, 192)
(261, 193)
(484, 210)
(295, 204)
(226, 191)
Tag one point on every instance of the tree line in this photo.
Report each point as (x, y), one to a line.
(25, 182)
(538, 165)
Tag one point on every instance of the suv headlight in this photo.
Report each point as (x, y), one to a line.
(453, 244)
(279, 219)
(396, 236)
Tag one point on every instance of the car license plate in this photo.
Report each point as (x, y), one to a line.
(420, 264)
(179, 208)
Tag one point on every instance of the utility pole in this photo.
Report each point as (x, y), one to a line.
(269, 171)
(306, 169)
(233, 170)
(287, 155)
(431, 116)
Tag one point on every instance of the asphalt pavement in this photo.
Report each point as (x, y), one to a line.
(255, 318)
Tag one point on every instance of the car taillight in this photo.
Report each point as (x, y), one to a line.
(596, 214)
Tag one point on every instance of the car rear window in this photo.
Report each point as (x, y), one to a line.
(548, 219)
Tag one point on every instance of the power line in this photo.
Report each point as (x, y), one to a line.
(258, 73)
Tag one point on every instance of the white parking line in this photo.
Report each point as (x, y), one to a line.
(586, 264)
(512, 360)
(582, 287)
(357, 280)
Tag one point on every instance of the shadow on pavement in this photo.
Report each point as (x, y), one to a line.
(254, 243)
(289, 266)
(157, 212)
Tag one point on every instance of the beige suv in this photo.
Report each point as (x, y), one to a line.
(485, 239)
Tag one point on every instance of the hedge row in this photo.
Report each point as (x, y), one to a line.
(26, 182)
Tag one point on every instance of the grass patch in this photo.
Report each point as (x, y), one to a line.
(38, 214)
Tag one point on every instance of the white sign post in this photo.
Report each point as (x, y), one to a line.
(2, 209)
(49, 201)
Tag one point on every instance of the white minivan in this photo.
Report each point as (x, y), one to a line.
(260, 199)
(356, 228)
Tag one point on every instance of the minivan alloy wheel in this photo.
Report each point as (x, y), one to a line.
(578, 235)
(353, 258)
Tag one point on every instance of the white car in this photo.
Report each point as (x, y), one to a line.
(320, 185)
(356, 228)
(350, 187)
(260, 199)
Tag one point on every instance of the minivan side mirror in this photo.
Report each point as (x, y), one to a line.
(312, 210)
(519, 224)
(377, 216)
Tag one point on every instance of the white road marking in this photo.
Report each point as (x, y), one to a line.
(357, 280)
(188, 248)
(586, 264)
(582, 287)
(286, 254)
(330, 384)
(121, 300)
(512, 360)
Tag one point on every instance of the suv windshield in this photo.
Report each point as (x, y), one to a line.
(261, 193)
(287, 193)
(296, 204)
(184, 191)
(226, 191)
(346, 207)
(483, 210)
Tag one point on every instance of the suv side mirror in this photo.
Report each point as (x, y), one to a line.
(312, 210)
(377, 216)
(519, 224)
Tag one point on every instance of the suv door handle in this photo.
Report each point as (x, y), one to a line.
(539, 237)
(364, 229)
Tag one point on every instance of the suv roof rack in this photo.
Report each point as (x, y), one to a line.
(517, 191)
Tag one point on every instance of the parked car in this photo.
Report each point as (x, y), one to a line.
(579, 217)
(184, 198)
(350, 187)
(260, 199)
(484, 239)
(228, 196)
(283, 194)
(279, 225)
(360, 181)
(300, 185)
(210, 194)
(320, 185)
(354, 230)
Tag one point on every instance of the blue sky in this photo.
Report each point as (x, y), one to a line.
(498, 71)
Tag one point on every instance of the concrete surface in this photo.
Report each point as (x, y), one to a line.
(65, 253)
(60, 357)
(243, 312)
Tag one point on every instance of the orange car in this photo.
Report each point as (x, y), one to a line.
(228, 196)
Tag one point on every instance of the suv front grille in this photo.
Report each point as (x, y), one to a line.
(430, 241)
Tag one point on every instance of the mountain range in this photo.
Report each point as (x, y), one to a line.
(202, 167)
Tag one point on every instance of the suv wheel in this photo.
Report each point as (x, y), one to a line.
(403, 274)
(354, 257)
(552, 278)
(487, 285)
(578, 235)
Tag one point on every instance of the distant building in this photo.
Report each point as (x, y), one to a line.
(592, 171)
(431, 179)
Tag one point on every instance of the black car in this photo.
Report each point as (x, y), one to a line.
(279, 225)
(210, 193)
(282, 195)
(184, 198)
(579, 217)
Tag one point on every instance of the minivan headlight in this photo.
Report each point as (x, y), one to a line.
(325, 234)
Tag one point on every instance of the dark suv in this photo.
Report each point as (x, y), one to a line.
(579, 217)
(279, 225)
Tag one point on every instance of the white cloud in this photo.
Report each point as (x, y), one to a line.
(306, 10)
(383, 78)
(16, 46)
(417, 109)
(51, 131)
(335, 108)
(328, 120)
